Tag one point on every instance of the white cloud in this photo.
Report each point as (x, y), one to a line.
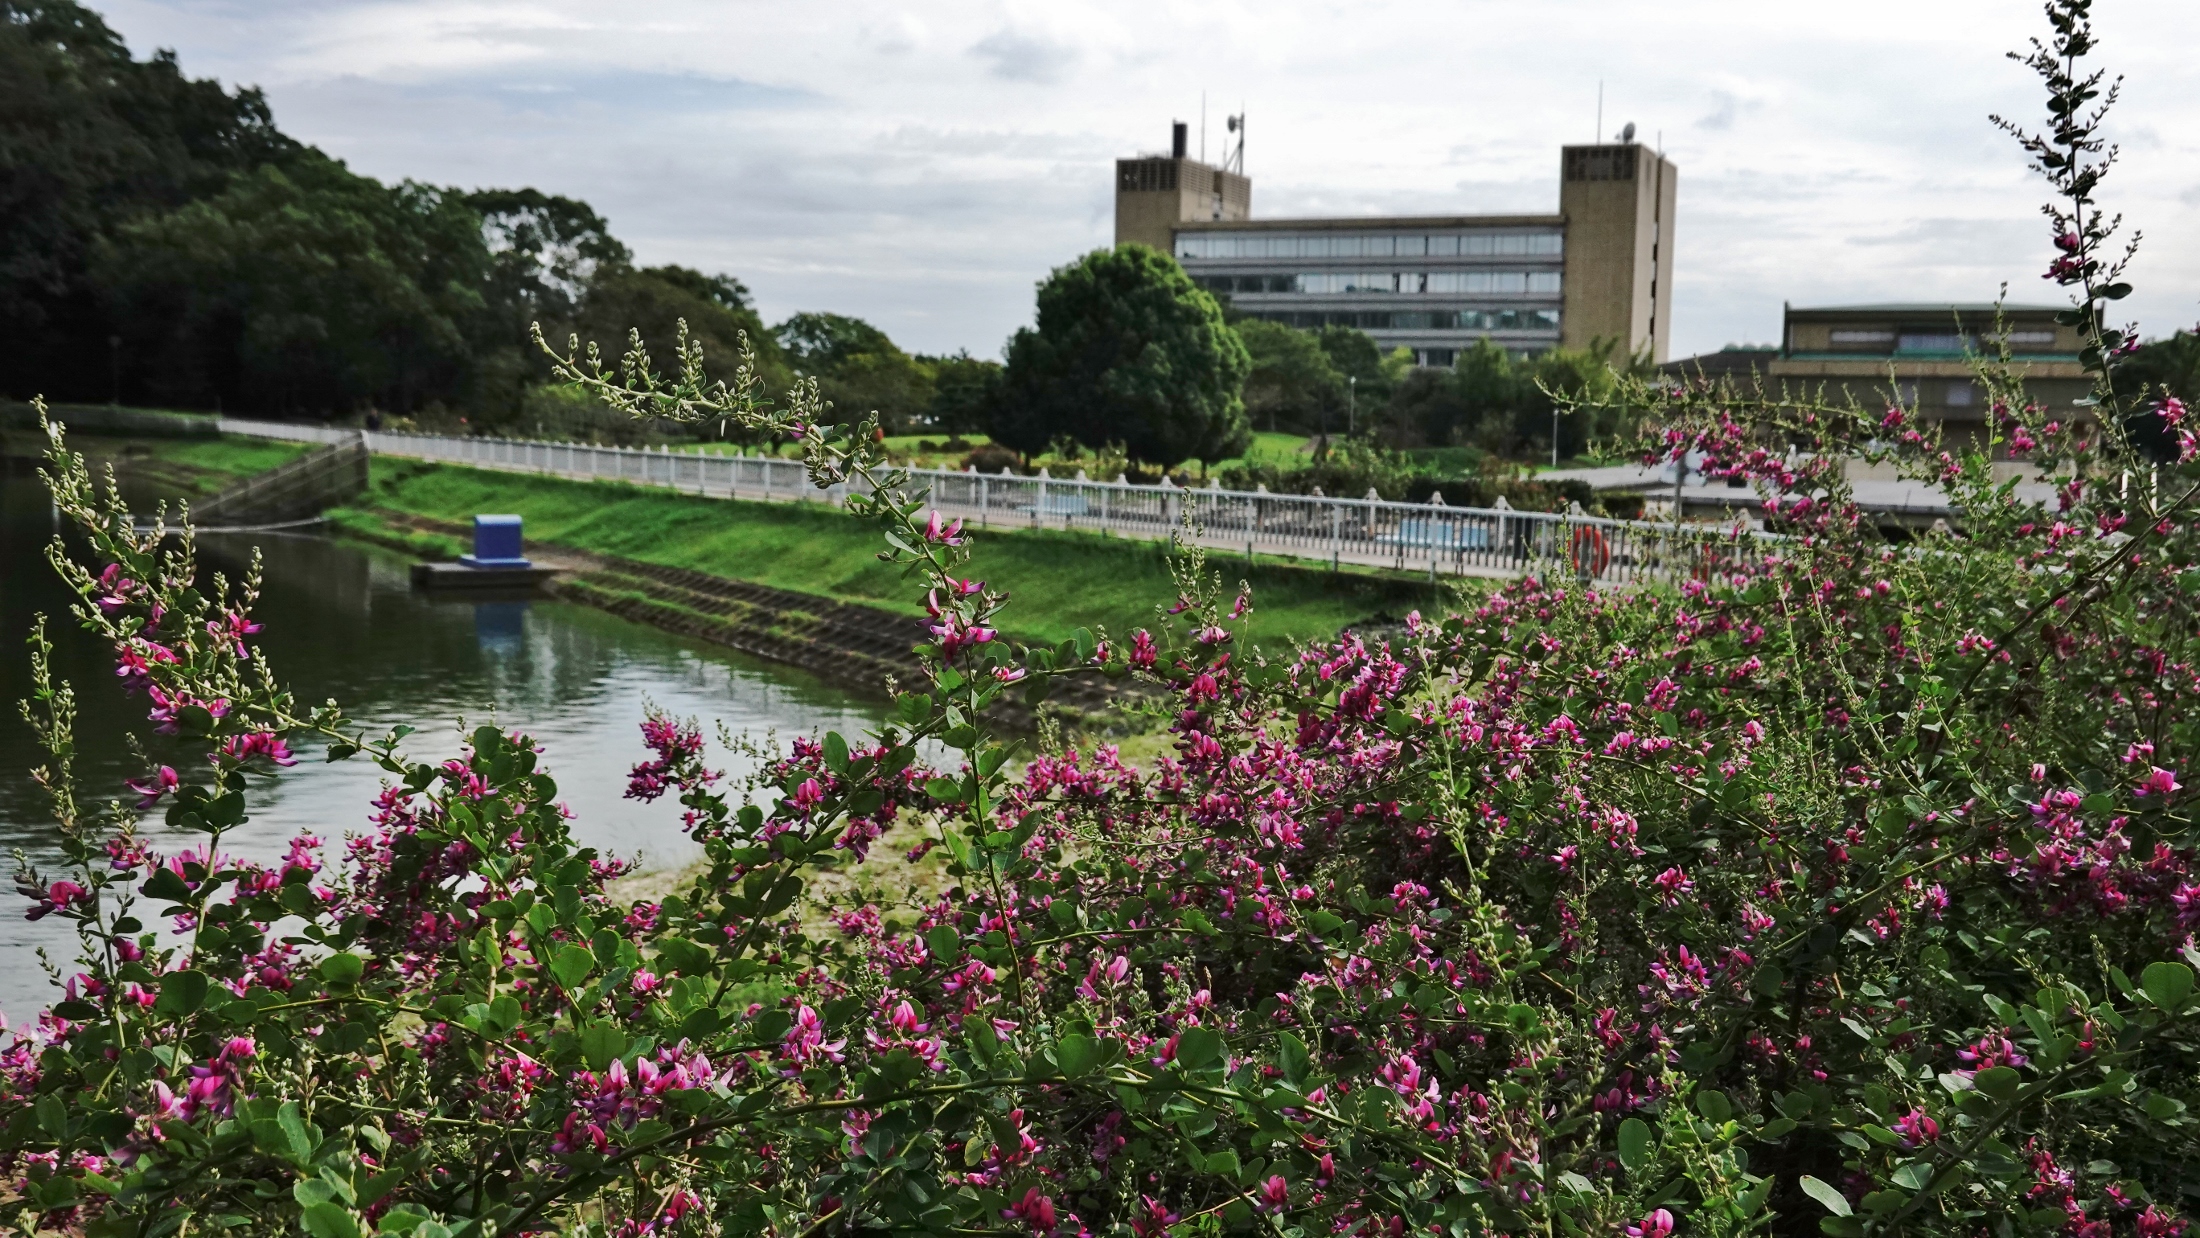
(923, 168)
(1019, 57)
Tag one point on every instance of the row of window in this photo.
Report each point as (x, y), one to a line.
(1880, 339)
(1370, 245)
(1515, 283)
(1416, 320)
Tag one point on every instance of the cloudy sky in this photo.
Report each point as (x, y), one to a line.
(923, 166)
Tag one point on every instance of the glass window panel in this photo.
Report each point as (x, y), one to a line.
(1543, 281)
(1512, 244)
(1443, 246)
(1479, 244)
(1923, 342)
(1412, 246)
(1547, 243)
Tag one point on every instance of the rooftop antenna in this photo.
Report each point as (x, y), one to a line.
(1627, 134)
(1203, 126)
(1598, 136)
(1233, 159)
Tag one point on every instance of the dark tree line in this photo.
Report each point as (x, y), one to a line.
(164, 243)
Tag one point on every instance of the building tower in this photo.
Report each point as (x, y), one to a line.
(1153, 194)
(1618, 202)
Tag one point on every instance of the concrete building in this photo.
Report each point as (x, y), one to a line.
(1599, 270)
(1922, 353)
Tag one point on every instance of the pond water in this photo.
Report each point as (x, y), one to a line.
(342, 621)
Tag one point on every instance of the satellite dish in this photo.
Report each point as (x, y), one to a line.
(1627, 134)
(1233, 123)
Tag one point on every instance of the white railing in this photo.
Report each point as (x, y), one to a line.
(1432, 537)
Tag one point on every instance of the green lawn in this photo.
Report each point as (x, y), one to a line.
(1057, 582)
(170, 467)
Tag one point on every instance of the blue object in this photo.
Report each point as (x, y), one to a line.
(496, 543)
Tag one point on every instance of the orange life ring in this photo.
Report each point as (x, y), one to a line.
(1588, 544)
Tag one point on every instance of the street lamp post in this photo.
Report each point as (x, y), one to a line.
(1352, 409)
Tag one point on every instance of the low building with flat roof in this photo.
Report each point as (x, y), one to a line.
(1923, 355)
(1598, 271)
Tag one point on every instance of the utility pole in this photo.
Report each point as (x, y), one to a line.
(1554, 437)
(1352, 410)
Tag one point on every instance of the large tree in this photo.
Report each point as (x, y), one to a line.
(91, 138)
(859, 370)
(963, 389)
(1292, 385)
(303, 288)
(655, 300)
(1127, 349)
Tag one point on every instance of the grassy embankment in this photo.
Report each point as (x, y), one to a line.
(1057, 582)
(175, 468)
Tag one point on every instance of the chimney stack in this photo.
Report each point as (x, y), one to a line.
(1177, 139)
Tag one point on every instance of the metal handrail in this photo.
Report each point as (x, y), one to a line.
(1434, 536)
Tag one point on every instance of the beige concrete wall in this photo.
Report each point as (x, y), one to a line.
(1619, 246)
(1150, 216)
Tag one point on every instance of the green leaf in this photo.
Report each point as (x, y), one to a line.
(329, 1221)
(1713, 1105)
(600, 1043)
(914, 707)
(1292, 1052)
(572, 966)
(1835, 1202)
(2001, 1082)
(181, 992)
(1198, 1048)
(1634, 1144)
(2167, 984)
(836, 752)
(944, 943)
(164, 884)
(343, 968)
(301, 1138)
(1078, 1054)
(946, 790)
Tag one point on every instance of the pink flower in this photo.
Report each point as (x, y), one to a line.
(1274, 1193)
(233, 628)
(1142, 650)
(805, 1041)
(151, 787)
(60, 896)
(1672, 884)
(1034, 1210)
(242, 748)
(950, 535)
(1657, 1225)
(2158, 781)
(1917, 1128)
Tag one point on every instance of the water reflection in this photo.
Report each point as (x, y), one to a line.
(343, 622)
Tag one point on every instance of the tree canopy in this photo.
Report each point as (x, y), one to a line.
(1126, 350)
(1293, 384)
